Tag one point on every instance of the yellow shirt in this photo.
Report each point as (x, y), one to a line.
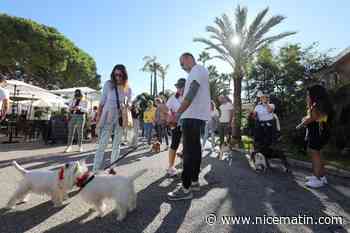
(322, 119)
(149, 115)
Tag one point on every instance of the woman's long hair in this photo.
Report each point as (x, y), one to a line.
(212, 105)
(78, 94)
(320, 100)
(121, 68)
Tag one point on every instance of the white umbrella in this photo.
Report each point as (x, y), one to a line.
(25, 91)
(92, 95)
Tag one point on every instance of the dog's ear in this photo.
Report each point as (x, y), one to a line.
(82, 162)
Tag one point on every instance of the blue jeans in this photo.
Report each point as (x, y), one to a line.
(104, 135)
(77, 122)
(208, 133)
(148, 131)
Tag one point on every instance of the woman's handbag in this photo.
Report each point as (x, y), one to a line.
(127, 118)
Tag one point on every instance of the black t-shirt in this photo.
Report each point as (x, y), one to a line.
(135, 113)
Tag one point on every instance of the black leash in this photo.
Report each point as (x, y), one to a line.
(122, 157)
(93, 174)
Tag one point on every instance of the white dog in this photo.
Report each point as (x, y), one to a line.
(257, 161)
(260, 162)
(103, 186)
(53, 183)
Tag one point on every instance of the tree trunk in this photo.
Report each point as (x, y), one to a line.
(163, 85)
(237, 101)
(151, 89)
(155, 91)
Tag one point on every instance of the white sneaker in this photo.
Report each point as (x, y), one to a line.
(68, 149)
(81, 149)
(323, 179)
(314, 183)
(171, 172)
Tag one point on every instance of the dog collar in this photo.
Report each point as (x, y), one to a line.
(85, 179)
(61, 174)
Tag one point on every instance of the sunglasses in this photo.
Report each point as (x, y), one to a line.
(118, 75)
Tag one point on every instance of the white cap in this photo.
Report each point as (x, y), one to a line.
(260, 94)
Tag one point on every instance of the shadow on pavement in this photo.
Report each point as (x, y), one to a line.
(19, 221)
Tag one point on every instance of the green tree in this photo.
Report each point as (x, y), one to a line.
(286, 74)
(204, 57)
(236, 43)
(45, 56)
(217, 84)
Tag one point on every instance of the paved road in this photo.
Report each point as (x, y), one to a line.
(229, 188)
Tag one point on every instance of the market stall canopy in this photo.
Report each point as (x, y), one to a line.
(25, 91)
(91, 94)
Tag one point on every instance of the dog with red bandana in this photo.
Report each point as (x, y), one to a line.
(56, 183)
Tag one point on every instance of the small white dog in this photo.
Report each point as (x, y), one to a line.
(258, 162)
(53, 183)
(104, 186)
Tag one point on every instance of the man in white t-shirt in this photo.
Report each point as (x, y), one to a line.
(225, 119)
(193, 112)
(4, 99)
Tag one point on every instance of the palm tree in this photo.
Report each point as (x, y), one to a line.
(147, 67)
(204, 57)
(237, 43)
(155, 68)
(163, 71)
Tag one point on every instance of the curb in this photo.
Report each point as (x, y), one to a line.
(330, 169)
(308, 165)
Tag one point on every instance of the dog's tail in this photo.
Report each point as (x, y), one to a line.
(137, 174)
(19, 168)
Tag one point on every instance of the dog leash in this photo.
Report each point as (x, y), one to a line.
(90, 178)
(123, 156)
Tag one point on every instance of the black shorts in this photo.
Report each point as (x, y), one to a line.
(315, 139)
(175, 138)
(263, 134)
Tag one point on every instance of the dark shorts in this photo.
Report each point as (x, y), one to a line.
(315, 139)
(175, 138)
(224, 131)
(263, 134)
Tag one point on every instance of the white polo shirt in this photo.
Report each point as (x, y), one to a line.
(200, 106)
(174, 104)
(262, 112)
(225, 110)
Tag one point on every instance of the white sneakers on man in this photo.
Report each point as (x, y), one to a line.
(68, 149)
(171, 172)
(315, 182)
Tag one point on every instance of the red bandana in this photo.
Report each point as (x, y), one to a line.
(61, 174)
(81, 180)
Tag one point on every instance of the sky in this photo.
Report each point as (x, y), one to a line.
(124, 31)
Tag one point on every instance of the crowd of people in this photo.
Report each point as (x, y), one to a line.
(190, 117)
